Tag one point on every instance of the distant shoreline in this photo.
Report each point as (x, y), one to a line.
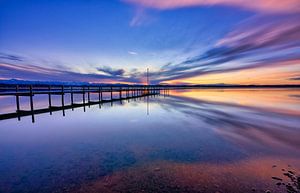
(140, 85)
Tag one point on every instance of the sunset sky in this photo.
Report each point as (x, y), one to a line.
(180, 41)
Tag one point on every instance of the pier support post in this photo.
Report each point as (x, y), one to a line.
(101, 96)
(31, 103)
(49, 99)
(111, 97)
(89, 97)
(72, 98)
(63, 99)
(18, 102)
(83, 98)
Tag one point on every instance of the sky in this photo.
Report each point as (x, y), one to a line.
(180, 41)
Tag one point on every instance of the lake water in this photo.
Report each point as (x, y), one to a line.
(205, 140)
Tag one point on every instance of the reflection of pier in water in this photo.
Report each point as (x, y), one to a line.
(124, 93)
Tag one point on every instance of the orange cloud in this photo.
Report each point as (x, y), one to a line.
(280, 73)
(256, 5)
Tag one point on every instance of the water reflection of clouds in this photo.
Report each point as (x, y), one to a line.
(194, 136)
(244, 125)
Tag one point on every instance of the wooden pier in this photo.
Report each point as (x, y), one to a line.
(29, 91)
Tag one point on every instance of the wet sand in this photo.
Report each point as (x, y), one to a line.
(255, 175)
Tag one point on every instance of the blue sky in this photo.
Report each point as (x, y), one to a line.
(116, 40)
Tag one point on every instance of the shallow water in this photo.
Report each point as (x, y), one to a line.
(209, 140)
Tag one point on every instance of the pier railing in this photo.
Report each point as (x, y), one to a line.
(116, 93)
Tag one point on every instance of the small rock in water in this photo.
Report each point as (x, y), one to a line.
(253, 189)
(276, 178)
(157, 169)
(274, 166)
(267, 191)
(278, 183)
(291, 172)
(283, 170)
(290, 188)
(288, 174)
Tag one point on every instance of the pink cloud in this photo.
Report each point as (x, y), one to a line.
(268, 6)
(263, 31)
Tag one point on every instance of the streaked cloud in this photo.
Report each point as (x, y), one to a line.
(4, 56)
(110, 71)
(266, 6)
(139, 18)
(10, 68)
(132, 53)
(295, 78)
(261, 41)
(187, 43)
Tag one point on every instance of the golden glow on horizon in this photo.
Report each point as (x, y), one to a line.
(277, 75)
(259, 98)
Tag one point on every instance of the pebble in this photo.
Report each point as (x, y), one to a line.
(267, 191)
(291, 172)
(276, 178)
(157, 169)
(290, 188)
(288, 174)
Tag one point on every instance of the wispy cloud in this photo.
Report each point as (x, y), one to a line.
(139, 18)
(132, 53)
(11, 57)
(263, 41)
(270, 38)
(258, 42)
(110, 71)
(11, 68)
(266, 6)
(295, 78)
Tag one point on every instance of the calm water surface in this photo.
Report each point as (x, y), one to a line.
(210, 140)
